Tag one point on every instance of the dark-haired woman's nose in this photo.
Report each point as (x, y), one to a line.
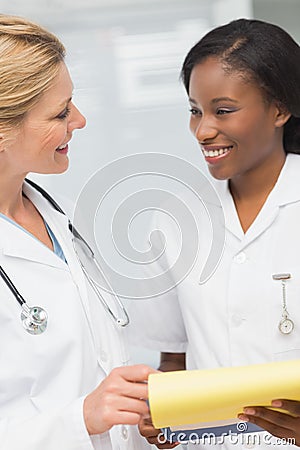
(203, 129)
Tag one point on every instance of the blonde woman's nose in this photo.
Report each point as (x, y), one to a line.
(77, 120)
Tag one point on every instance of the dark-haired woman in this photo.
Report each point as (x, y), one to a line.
(243, 84)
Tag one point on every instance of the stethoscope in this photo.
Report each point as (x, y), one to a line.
(35, 318)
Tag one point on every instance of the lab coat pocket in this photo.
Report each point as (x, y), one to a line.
(286, 346)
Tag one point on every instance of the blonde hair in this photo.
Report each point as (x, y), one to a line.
(30, 58)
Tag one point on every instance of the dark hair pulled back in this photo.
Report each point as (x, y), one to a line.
(265, 53)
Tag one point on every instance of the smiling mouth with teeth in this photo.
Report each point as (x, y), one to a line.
(61, 147)
(215, 153)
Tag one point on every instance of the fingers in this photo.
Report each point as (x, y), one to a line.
(131, 404)
(147, 429)
(119, 386)
(136, 373)
(275, 417)
(275, 422)
(268, 415)
(130, 381)
(153, 435)
(291, 406)
(119, 399)
(274, 430)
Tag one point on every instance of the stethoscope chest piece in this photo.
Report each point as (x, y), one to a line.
(34, 319)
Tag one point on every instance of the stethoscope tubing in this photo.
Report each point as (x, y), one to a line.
(122, 322)
(12, 287)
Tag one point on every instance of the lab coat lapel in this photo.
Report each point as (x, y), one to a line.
(266, 217)
(263, 221)
(16, 243)
(59, 224)
(232, 222)
(282, 194)
(233, 225)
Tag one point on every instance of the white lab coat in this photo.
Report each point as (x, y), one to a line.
(44, 378)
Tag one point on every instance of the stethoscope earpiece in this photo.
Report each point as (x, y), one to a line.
(122, 322)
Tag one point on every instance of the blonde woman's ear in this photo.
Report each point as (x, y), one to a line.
(5, 139)
(2, 143)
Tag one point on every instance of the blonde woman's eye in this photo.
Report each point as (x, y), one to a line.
(64, 114)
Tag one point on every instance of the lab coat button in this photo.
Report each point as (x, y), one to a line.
(103, 356)
(124, 432)
(240, 258)
(236, 320)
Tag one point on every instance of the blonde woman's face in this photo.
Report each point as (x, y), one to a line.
(41, 145)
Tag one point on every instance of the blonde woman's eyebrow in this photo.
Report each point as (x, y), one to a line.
(65, 102)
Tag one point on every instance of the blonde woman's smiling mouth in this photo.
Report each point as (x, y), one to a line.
(63, 149)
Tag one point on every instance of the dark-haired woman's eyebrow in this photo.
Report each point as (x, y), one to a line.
(192, 101)
(223, 99)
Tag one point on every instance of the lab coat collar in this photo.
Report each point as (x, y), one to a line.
(25, 246)
(285, 190)
(59, 224)
(44, 207)
(283, 193)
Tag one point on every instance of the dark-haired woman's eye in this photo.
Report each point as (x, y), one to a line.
(223, 111)
(64, 114)
(194, 112)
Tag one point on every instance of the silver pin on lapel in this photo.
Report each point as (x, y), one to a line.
(286, 325)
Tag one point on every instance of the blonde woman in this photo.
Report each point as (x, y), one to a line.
(58, 346)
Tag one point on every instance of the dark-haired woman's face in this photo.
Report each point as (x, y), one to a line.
(237, 129)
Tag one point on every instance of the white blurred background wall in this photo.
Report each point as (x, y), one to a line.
(125, 57)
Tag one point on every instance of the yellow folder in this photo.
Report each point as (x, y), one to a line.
(218, 395)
